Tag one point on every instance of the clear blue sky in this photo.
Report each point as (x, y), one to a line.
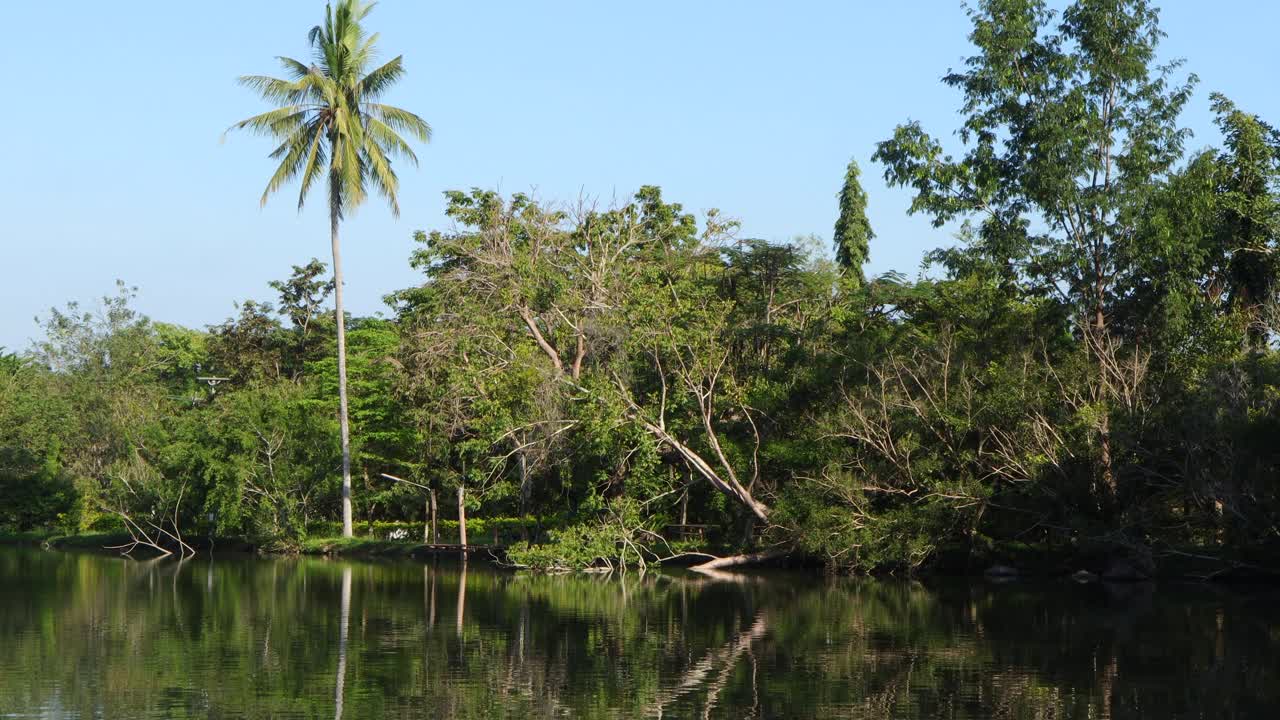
(112, 166)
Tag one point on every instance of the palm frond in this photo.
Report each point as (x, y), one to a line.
(389, 140)
(377, 82)
(400, 120)
(275, 90)
(313, 166)
(296, 68)
(277, 123)
(352, 175)
(294, 153)
(383, 176)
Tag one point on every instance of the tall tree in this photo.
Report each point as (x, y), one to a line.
(1070, 130)
(1249, 221)
(330, 125)
(853, 230)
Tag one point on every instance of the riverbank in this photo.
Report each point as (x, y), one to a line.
(337, 546)
(1005, 563)
(374, 547)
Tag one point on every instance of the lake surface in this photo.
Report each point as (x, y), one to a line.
(96, 636)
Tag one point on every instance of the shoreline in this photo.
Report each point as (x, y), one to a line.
(1030, 563)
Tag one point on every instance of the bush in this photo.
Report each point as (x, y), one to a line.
(615, 540)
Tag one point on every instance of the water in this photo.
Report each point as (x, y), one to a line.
(96, 636)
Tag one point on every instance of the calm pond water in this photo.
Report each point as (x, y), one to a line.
(96, 636)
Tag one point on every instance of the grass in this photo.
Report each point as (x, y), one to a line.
(30, 537)
(357, 546)
(370, 547)
(53, 538)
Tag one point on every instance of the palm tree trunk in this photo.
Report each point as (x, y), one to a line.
(347, 523)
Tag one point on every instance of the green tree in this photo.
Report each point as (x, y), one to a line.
(853, 230)
(330, 125)
(36, 488)
(301, 299)
(1250, 211)
(1070, 131)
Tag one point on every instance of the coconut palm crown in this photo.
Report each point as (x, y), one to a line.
(329, 119)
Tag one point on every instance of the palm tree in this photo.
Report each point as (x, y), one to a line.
(328, 122)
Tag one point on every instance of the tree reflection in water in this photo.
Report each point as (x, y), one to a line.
(344, 622)
(98, 636)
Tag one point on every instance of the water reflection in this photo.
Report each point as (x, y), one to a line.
(343, 623)
(238, 637)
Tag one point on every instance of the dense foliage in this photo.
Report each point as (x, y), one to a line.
(1092, 368)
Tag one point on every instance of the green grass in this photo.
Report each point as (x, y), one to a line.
(52, 538)
(358, 546)
(30, 537)
(369, 547)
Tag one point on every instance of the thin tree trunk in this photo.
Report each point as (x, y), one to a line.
(435, 527)
(462, 516)
(684, 503)
(735, 560)
(347, 522)
(1104, 421)
(525, 491)
(1104, 437)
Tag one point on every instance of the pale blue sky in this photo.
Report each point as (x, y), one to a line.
(112, 166)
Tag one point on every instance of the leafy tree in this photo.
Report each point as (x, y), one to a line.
(250, 348)
(302, 297)
(1250, 212)
(37, 489)
(853, 233)
(331, 125)
(266, 459)
(1070, 131)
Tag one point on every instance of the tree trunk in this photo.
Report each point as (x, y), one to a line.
(347, 523)
(426, 521)
(728, 485)
(735, 560)
(1102, 347)
(684, 501)
(435, 526)
(462, 516)
(1104, 440)
(526, 490)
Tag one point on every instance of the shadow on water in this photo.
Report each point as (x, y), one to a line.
(87, 635)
